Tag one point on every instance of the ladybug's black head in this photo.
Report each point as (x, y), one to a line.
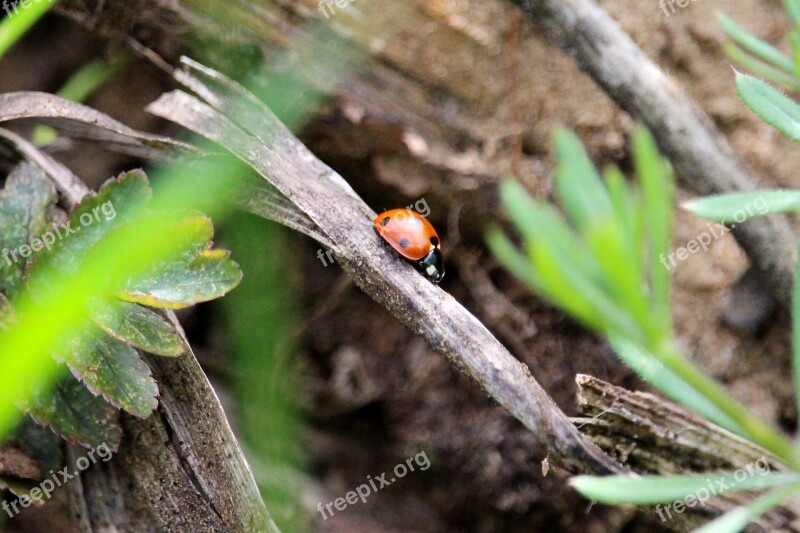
(431, 266)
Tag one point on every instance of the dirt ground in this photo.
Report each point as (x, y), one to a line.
(377, 394)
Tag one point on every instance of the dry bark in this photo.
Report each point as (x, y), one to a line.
(652, 435)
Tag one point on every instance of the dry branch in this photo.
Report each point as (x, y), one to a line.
(237, 120)
(698, 151)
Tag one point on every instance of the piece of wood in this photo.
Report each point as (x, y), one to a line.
(652, 435)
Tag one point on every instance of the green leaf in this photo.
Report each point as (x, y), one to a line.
(183, 283)
(657, 191)
(540, 223)
(650, 490)
(97, 216)
(608, 242)
(24, 204)
(792, 7)
(13, 28)
(74, 413)
(741, 206)
(569, 288)
(578, 185)
(516, 263)
(138, 326)
(624, 202)
(759, 48)
(39, 442)
(761, 69)
(737, 519)
(775, 108)
(796, 333)
(113, 369)
(659, 376)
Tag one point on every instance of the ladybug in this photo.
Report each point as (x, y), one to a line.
(414, 238)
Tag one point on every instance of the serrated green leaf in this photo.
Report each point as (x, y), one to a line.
(737, 519)
(774, 107)
(24, 204)
(77, 415)
(113, 369)
(758, 47)
(650, 490)
(741, 206)
(183, 283)
(138, 326)
(96, 216)
(38, 442)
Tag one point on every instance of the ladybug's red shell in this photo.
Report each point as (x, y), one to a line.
(408, 232)
(414, 238)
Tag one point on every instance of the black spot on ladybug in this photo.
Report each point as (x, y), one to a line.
(385, 220)
(404, 242)
(435, 241)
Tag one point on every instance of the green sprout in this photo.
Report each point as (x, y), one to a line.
(601, 263)
(760, 57)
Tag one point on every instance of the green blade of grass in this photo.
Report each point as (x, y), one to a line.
(650, 490)
(657, 191)
(578, 185)
(79, 87)
(792, 7)
(737, 519)
(567, 287)
(13, 27)
(757, 47)
(607, 240)
(759, 68)
(774, 107)
(654, 372)
(741, 206)
(796, 333)
(516, 263)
